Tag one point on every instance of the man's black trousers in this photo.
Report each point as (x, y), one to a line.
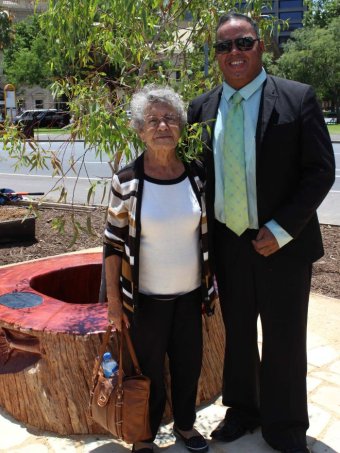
(271, 391)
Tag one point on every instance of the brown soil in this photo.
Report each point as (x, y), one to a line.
(85, 228)
(326, 271)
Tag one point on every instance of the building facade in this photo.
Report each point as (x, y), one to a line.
(291, 10)
(19, 9)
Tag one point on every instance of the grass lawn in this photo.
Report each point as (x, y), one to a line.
(334, 128)
(46, 130)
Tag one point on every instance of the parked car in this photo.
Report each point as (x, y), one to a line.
(330, 120)
(330, 117)
(43, 118)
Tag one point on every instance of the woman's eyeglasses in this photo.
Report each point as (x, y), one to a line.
(243, 44)
(153, 121)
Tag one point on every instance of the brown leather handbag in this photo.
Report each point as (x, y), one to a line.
(121, 404)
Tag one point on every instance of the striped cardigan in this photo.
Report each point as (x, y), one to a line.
(123, 229)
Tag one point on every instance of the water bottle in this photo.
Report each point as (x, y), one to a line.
(109, 365)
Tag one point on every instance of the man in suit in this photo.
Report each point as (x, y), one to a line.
(264, 268)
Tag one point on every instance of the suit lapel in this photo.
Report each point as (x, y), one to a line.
(209, 114)
(268, 100)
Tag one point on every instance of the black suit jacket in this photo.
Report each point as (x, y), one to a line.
(294, 160)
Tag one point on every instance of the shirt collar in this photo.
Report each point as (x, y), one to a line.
(248, 90)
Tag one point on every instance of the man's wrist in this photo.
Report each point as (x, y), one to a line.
(280, 234)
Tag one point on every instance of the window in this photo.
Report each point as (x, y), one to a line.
(27, 116)
(39, 104)
(291, 3)
(283, 40)
(293, 27)
(292, 15)
(241, 5)
(188, 15)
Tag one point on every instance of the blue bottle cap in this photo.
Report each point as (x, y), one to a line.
(107, 356)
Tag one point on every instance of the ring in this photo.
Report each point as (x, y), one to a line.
(111, 322)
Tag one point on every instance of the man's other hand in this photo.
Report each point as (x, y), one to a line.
(265, 243)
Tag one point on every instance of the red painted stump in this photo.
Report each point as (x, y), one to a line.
(50, 331)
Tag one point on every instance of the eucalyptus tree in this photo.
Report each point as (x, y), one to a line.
(113, 47)
(106, 49)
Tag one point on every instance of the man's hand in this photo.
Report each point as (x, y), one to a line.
(116, 315)
(265, 243)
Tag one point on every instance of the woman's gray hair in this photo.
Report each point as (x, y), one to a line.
(155, 94)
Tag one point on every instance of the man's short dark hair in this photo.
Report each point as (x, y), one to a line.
(234, 15)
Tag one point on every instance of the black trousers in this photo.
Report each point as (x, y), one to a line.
(172, 327)
(271, 391)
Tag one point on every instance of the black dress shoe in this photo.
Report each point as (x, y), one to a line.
(296, 450)
(195, 443)
(231, 428)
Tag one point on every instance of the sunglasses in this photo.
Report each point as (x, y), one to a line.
(244, 44)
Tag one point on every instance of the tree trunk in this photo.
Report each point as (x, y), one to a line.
(47, 385)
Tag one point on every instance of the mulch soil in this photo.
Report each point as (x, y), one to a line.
(90, 225)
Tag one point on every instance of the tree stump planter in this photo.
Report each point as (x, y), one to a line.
(49, 308)
(16, 224)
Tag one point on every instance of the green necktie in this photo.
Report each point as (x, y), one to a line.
(235, 185)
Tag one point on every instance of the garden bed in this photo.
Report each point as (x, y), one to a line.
(48, 242)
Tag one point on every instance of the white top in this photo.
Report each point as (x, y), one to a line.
(169, 244)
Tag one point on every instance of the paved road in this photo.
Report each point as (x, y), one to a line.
(88, 169)
(329, 211)
(93, 170)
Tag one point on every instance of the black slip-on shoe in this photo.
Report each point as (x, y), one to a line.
(196, 443)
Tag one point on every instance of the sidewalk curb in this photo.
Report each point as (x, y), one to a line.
(66, 137)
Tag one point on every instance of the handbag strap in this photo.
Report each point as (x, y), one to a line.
(101, 353)
(131, 350)
(124, 335)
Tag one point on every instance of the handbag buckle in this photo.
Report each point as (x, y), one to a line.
(102, 400)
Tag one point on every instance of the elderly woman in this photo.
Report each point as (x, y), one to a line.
(157, 270)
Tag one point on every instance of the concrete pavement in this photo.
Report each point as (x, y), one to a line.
(323, 400)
